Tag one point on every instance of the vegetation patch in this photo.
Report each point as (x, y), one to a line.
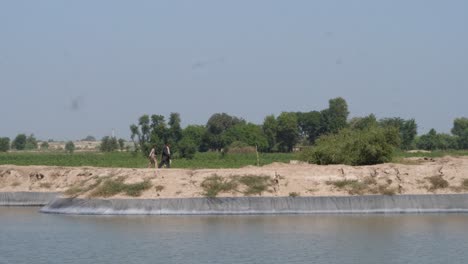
(367, 185)
(341, 183)
(215, 184)
(111, 187)
(159, 188)
(437, 182)
(369, 146)
(45, 185)
(255, 184)
(294, 194)
(81, 187)
(247, 185)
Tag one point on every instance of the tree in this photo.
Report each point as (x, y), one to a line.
(187, 148)
(31, 142)
(146, 134)
(369, 146)
(19, 143)
(435, 141)
(408, 130)
(335, 117)
(463, 139)
(89, 138)
(309, 125)
(218, 124)
(109, 144)
(4, 144)
(270, 129)
(121, 144)
(175, 131)
(287, 131)
(363, 122)
(250, 134)
(70, 147)
(194, 133)
(460, 125)
(44, 145)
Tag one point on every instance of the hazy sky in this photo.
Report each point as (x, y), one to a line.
(69, 69)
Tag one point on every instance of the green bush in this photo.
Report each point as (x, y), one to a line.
(4, 144)
(354, 147)
(70, 147)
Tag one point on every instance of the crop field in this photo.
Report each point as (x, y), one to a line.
(132, 160)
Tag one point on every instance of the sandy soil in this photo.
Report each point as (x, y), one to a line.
(303, 179)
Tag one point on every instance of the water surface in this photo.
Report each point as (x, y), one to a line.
(27, 236)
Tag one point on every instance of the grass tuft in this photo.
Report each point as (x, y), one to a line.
(215, 184)
(255, 184)
(437, 182)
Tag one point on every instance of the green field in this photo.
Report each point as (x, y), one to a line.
(201, 160)
(130, 160)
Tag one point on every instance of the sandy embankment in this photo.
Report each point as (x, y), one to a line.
(304, 179)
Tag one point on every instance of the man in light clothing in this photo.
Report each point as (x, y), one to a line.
(153, 161)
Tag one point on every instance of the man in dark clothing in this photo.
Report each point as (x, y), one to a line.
(166, 156)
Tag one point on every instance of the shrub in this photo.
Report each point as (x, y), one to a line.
(464, 184)
(294, 194)
(354, 147)
(70, 147)
(255, 184)
(19, 143)
(215, 184)
(112, 187)
(44, 145)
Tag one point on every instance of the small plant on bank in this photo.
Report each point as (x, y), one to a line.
(341, 183)
(437, 182)
(45, 185)
(215, 184)
(464, 184)
(111, 187)
(294, 194)
(256, 184)
(159, 188)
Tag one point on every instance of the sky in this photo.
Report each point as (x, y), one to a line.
(69, 69)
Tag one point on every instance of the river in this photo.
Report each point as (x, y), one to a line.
(27, 236)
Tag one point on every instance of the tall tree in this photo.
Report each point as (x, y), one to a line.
(459, 126)
(408, 130)
(335, 117)
(288, 131)
(175, 130)
(216, 126)
(19, 143)
(4, 144)
(270, 129)
(309, 125)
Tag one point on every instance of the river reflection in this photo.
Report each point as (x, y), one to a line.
(27, 236)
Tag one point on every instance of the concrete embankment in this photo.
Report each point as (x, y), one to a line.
(263, 205)
(26, 198)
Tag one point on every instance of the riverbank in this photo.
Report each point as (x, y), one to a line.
(447, 175)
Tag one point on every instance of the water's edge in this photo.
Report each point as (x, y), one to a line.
(26, 198)
(441, 203)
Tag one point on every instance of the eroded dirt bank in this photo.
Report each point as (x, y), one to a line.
(425, 176)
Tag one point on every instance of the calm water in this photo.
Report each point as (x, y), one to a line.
(30, 237)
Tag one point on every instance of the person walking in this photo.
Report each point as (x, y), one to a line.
(166, 156)
(153, 161)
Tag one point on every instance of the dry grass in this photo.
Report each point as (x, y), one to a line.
(437, 182)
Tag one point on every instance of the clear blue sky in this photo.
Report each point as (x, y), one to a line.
(74, 68)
